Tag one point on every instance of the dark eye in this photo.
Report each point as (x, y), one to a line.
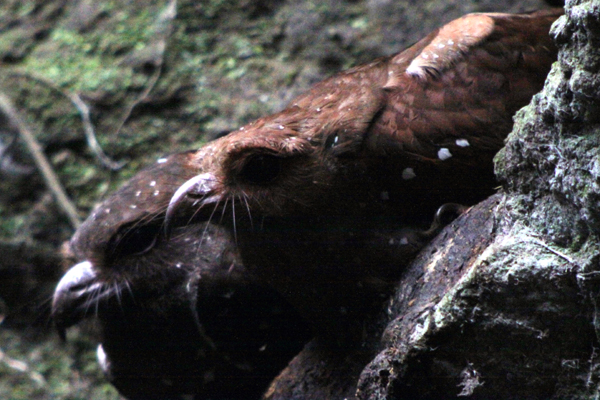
(261, 169)
(136, 240)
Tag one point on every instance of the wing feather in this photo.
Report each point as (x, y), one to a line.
(465, 80)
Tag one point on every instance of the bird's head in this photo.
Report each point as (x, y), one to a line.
(187, 304)
(113, 249)
(295, 162)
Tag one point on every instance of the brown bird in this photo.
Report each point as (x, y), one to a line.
(175, 317)
(369, 150)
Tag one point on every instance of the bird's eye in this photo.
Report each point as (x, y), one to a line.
(261, 169)
(136, 240)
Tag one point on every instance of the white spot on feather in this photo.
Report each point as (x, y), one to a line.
(462, 143)
(161, 160)
(416, 70)
(102, 359)
(444, 154)
(153, 183)
(408, 173)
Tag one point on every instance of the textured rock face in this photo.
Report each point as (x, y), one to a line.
(489, 310)
(553, 148)
(503, 303)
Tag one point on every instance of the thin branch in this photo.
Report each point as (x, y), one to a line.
(162, 30)
(142, 97)
(41, 161)
(556, 252)
(91, 136)
(84, 112)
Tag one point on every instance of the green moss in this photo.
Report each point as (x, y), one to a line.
(43, 368)
(90, 61)
(10, 223)
(62, 63)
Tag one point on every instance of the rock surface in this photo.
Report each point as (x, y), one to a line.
(503, 304)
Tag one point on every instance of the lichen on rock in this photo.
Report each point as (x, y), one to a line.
(517, 314)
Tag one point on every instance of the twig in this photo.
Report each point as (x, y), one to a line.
(143, 95)
(84, 111)
(91, 136)
(550, 249)
(162, 30)
(41, 161)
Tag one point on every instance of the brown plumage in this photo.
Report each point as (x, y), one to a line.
(422, 125)
(376, 147)
(171, 313)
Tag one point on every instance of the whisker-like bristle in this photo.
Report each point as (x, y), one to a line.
(205, 231)
(91, 301)
(234, 225)
(223, 210)
(97, 299)
(127, 286)
(195, 212)
(245, 199)
(117, 292)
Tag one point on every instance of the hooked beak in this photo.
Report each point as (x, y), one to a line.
(190, 197)
(72, 296)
